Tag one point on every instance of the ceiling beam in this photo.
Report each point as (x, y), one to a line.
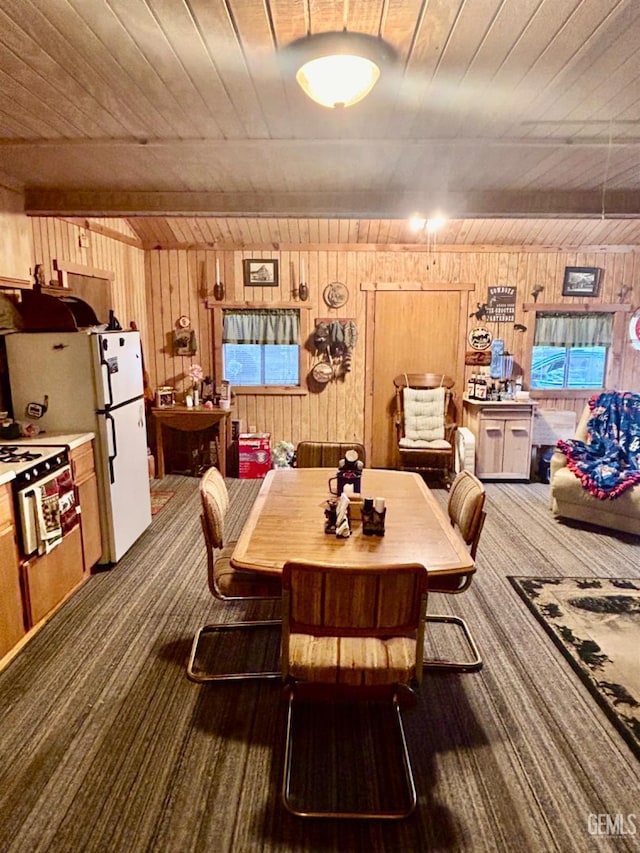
(333, 205)
(219, 145)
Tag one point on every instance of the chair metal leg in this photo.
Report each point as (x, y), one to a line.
(230, 676)
(472, 665)
(384, 815)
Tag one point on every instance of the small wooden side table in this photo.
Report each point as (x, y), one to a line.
(193, 419)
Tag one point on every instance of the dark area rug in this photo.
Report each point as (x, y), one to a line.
(595, 622)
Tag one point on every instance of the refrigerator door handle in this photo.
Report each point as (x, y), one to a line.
(111, 422)
(105, 366)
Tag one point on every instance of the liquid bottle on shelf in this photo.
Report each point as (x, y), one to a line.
(471, 386)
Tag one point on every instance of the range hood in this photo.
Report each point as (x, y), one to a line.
(43, 313)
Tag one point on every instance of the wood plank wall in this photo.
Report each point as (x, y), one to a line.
(179, 281)
(110, 245)
(157, 286)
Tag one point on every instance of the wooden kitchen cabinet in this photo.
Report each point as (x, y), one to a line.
(12, 627)
(86, 484)
(50, 578)
(503, 432)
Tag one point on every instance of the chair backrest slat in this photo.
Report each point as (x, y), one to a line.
(340, 601)
(215, 503)
(325, 454)
(465, 506)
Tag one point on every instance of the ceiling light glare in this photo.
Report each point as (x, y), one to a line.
(338, 81)
(434, 223)
(417, 223)
(337, 69)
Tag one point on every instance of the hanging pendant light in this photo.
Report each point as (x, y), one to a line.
(338, 69)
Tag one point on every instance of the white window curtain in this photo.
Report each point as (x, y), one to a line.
(264, 326)
(573, 330)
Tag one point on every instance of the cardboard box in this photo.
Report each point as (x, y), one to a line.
(254, 451)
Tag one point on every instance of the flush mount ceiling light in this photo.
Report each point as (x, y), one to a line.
(338, 69)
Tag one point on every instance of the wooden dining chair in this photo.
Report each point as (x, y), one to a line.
(425, 423)
(326, 454)
(354, 633)
(227, 583)
(465, 507)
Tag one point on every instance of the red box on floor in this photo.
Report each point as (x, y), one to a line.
(254, 451)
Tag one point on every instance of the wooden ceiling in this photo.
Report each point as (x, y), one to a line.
(180, 109)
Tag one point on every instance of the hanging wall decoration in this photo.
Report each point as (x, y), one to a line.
(335, 294)
(333, 344)
(480, 338)
(501, 304)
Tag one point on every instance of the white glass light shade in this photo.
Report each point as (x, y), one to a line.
(340, 80)
(337, 69)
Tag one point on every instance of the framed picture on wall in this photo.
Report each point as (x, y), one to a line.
(581, 281)
(260, 272)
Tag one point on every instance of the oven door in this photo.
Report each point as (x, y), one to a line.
(47, 510)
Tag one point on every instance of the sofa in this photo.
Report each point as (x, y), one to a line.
(571, 499)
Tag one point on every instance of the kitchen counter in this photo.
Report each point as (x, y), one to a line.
(71, 440)
(6, 477)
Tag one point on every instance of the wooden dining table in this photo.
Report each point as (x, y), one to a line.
(287, 519)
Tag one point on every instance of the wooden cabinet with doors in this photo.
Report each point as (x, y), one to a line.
(86, 485)
(503, 433)
(12, 627)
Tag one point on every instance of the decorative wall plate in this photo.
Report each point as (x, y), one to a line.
(335, 294)
(480, 338)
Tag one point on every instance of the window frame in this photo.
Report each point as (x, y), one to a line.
(262, 390)
(612, 370)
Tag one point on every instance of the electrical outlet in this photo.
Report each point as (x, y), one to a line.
(83, 240)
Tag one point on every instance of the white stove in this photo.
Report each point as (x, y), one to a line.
(30, 462)
(40, 471)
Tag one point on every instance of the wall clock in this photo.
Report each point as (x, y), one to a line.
(335, 294)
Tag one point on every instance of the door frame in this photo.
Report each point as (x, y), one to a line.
(371, 288)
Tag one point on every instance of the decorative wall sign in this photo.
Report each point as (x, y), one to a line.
(184, 342)
(478, 358)
(581, 281)
(480, 338)
(260, 272)
(501, 304)
(335, 294)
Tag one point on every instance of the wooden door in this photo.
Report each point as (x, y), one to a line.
(413, 332)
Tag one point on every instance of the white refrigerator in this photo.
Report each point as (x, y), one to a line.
(91, 382)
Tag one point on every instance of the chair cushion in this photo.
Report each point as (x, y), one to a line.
(423, 414)
(420, 444)
(352, 660)
(240, 583)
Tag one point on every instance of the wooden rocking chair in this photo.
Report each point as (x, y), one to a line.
(425, 423)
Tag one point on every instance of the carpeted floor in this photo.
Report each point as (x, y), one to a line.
(108, 747)
(595, 622)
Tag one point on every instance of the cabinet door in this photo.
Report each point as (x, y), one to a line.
(11, 618)
(516, 458)
(90, 522)
(490, 446)
(84, 477)
(48, 579)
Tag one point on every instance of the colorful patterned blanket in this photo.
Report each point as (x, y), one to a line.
(608, 462)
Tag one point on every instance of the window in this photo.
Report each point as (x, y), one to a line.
(570, 350)
(261, 347)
